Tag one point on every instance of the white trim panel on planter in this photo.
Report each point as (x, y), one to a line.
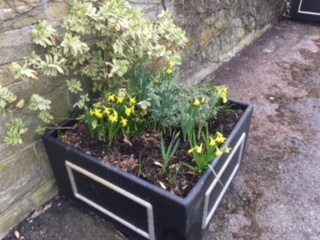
(149, 235)
(208, 215)
(306, 12)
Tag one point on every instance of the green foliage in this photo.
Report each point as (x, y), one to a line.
(23, 72)
(74, 86)
(130, 63)
(173, 104)
(105, 41)
(44, 35)
(119, 114)
(6, 96)
(39, 103)
(205, 151)
(45, 116)
(15, 129)
(168, 153)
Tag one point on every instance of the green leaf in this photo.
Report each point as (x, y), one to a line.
(39, 103)
(74, 86)
(44, 34)
(45, 116)
(23, 72)
(6, 96)
(15, 129)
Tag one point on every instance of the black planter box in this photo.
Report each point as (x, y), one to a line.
(140, 209)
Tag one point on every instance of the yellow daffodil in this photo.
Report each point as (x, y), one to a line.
(112, 98)
(172, 64)
(218, 152)
(224, 100)
(107, 111)
(223, 93)
(169, 71)
(124, 122)
(196, 102)
(113, 118)
(133, 101)
(191, 150)
(128, 111)
(199, 149)
(228, 150)
(120, 100)
(212, 142)
(98, 113)
(220, 138)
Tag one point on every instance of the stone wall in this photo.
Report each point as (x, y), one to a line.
(218, 29)
(25, 175)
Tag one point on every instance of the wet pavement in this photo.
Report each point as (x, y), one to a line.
(276, 193)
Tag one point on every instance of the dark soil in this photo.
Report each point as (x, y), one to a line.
(139, 156)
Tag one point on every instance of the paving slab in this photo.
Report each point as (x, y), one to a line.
(276, 193)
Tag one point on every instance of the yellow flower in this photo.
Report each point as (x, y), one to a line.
(223, 93)
(199, 149)
(172, 64)
(133, 101)
(224, 100)
(91, 112)
(220, 138)
(218, 152)
(112, 98)
(120, 100)
(191, 150)
(228, 150)
(107, 111)
(212, 142)
(129, 111)
(98, 113)
(196, 102)
(169, 71)
(124, 122)
(114, 117)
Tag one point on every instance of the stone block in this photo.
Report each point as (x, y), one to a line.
(14, 45)
(5, 76)
(13, 215)
(43, 159)
(44, 193)
(28, 14)
(17, 167)
(20, 175)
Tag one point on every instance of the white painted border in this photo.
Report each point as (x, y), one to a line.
(149, 235)
(207, 216)
(306, 12)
